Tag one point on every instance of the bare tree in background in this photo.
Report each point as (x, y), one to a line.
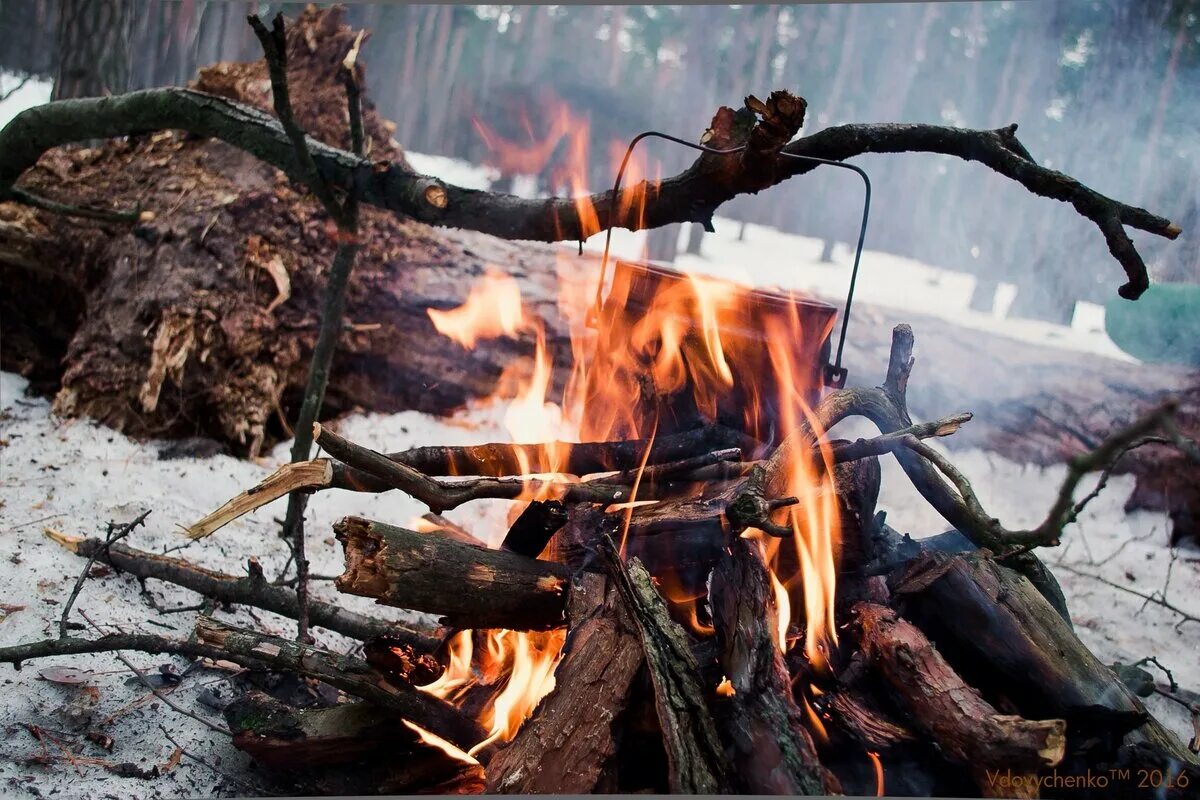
(93, 48)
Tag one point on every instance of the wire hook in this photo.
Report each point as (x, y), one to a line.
(835, 374)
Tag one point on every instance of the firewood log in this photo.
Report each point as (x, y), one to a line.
(473, 587)
(966, 728)
(760, 723)
(567, 745)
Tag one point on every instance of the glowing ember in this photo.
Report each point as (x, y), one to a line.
(725, 688)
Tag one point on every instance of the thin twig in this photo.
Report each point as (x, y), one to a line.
(345, 215)
(115, 534)
(45, 204)
(1149, 598)
(160, 695)
(254, 789)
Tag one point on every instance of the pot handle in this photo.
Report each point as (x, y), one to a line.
(835, 373)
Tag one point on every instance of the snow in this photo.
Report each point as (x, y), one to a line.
(32, 93)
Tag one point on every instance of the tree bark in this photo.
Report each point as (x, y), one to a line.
(567, 746)
(94, 50)
(761, 724)
(472, 587)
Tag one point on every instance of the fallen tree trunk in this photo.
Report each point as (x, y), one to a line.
(472, 587)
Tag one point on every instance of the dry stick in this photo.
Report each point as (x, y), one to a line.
(115, 534)
(153, 689)
(498, 460)
(345, 214)
(692, 196)
(54, 207)
(1149, 598)
(257, 791)
(956, 501)
(444, 495)
(250, 590)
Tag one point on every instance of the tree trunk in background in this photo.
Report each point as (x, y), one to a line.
(662, 244)
(695, 238)
(93, 48)
(827, 250)
(983, 294)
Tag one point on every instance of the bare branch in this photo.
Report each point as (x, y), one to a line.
(115, 534)
(692, 196)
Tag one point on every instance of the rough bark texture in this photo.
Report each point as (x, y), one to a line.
(201, 320)
(347, 673)
(1010, 641)
(473, 587)
(762, 726)
(695, 761)
(277, 735)
(964, 726)
(568, 745)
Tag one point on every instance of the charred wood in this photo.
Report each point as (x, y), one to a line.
(761, 724)
(472, 587)
(571, 741)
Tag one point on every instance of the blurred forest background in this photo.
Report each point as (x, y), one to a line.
(1106, 90)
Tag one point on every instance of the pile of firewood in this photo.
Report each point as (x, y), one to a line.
(956, 669)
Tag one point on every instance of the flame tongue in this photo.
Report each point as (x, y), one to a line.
(667, 352)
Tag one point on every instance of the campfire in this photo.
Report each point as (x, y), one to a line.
(693, 590)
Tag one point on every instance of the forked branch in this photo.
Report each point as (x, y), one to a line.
(691, 196)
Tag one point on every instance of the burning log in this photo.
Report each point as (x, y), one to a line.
(864, 721)
(568, 746)
(765, 729)
(353, 748)
(344, 672)
(965, 727)
(532, 530)
(277, 735)
(696, 762)
(473, 587)
(997, 626)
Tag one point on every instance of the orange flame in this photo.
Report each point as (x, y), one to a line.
(492, 309)
(662, 346)
(878, 772)
(523, 662)
(433, 740)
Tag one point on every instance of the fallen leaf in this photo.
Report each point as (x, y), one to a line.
(8, 609)
(65, 675)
